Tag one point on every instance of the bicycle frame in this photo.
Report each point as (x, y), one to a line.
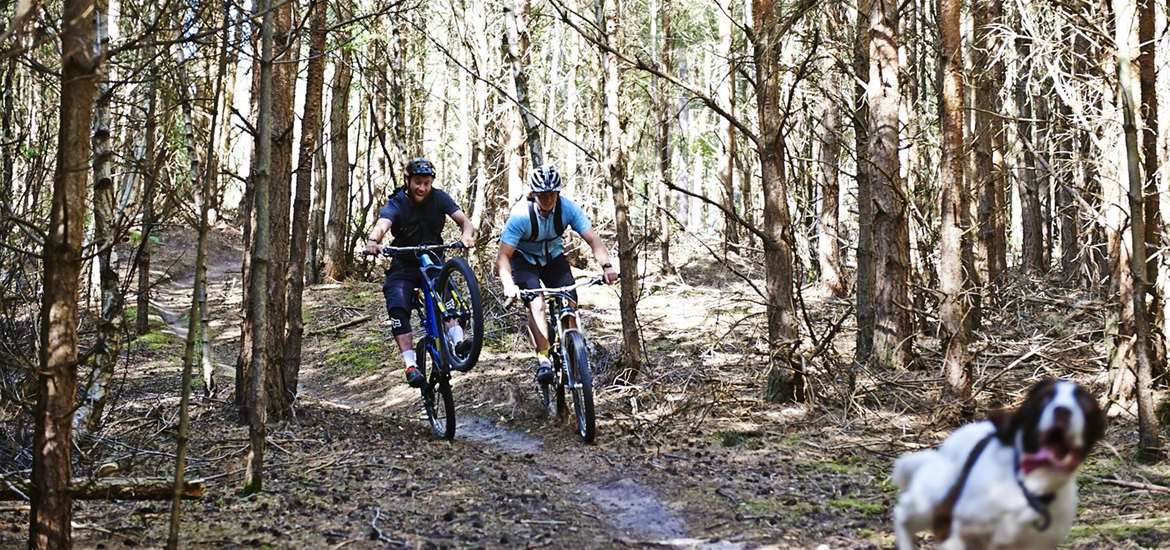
(431, 308)
(560, 309)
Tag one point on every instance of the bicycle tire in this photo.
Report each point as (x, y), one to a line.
(578, 361)
(442, 426)
(459, 266)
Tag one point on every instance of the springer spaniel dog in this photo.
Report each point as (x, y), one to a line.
(1005, 483)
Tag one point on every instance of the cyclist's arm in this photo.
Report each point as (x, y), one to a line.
(597, 245)
(504, 264)
(374, 240)
(468, 236)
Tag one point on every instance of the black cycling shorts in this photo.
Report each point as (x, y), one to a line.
(556, 273)
(399, 289)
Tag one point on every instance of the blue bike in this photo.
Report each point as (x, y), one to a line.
(449, 294)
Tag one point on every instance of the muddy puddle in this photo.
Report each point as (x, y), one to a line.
(482, 430)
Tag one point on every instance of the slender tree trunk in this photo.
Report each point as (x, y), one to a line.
(616, 164)
(337, 256)
(953, 325)
(785, 380)
(149, 171)
(310, 123)
(317, 223)
(8, 139)
(201, 182)
(258, 402)
(51, 509)
(892, 340)
(1149, 426)
(1033, 243)
(991, 252)
(104, 356)
(1150, 162)
(727, 98)
(517, 59)
(861, 123)
(829, 236)
(662, 102)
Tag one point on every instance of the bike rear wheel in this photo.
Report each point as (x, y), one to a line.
(582, 385)
(438, 403)
(459, 291)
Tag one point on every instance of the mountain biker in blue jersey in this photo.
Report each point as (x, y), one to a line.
(532, 252)
(415, 215)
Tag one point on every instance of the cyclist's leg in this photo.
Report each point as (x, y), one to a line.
(559, 273)
(527, 276)
(399, 288)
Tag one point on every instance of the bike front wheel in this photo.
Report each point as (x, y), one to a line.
(581, 385)
(459, 291)
(438, 403)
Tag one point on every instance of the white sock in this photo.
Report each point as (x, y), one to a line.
(455, 332)
(408, 357)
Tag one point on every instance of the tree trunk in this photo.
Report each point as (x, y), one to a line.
(616, 164)
(310, 123)
(104, 356)
(1033, 242)
(317, 221)
(284, 76)
(51, 509)
(336, 256)
(517, 59)
(785, 379)
(662, 106)
(953, 282)
(257, 404)
(892, 340)
(727, 99)
(991, 252)
(148, 169)
(1149, 426)
(829, 235)
(1150, 160)
(861, 123)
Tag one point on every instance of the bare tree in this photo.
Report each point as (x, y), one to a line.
(336, 256)
(830, 135)
(51, 510)
(991, 252)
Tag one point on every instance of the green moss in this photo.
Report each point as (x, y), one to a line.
(845, 465)
(733, 438)
(154, 341)
(857, 505)
(772, 506)
(355, 357)
(359, 298)
(1146, 532)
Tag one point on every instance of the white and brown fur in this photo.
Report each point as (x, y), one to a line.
(1008, 482)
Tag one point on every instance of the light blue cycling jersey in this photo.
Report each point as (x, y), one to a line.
(547, 245)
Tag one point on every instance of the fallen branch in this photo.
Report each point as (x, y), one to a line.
(114, 489)
(1132, 485)
(339, 326)
(377, 534)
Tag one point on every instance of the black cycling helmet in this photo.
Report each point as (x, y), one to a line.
(420, 166)
(545, 179)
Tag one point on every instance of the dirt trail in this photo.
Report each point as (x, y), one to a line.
(595, 483)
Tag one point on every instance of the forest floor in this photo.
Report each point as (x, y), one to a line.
(688, 456)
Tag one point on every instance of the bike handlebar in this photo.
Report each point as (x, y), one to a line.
(396, 250)
(530, 293)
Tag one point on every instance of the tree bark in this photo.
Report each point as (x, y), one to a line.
(1033, 242)
(616, 164)
(517, 58)
(149, 171)
(310, 122)
(257, 404)
(337, 256)
(991, 252)
(892, 340)
(727, 98)
(104, 355)
(785, 381)
(953, 282)
(1149, 426)
(864, 346)
(317, 223)
(51, 509)
(829, 234)
(663, 145)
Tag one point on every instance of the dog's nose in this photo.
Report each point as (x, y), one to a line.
(1061, 416)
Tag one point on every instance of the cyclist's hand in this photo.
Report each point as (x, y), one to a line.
(609, 276)
(468, 242)
(373, 249)
(511, 292)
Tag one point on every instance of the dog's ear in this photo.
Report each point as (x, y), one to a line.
(1094, 417)
(1002, 419)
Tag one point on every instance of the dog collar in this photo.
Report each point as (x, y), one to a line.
(1039, 503)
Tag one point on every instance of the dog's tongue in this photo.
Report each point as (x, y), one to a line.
(1046, 458)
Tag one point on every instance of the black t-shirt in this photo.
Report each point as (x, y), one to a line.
(417, 224)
